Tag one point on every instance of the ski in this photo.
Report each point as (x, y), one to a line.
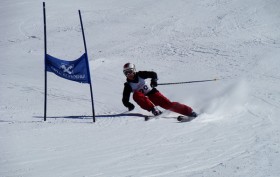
(180, 118)
(151, 117)
(146, 118)
(185, 118)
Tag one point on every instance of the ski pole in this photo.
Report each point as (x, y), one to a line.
(188, 82)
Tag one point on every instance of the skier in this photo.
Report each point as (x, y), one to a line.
(146, 95)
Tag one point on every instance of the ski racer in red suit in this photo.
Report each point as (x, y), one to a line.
(146, 95)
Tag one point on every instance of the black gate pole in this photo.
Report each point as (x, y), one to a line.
(45, 43)
(92, 104)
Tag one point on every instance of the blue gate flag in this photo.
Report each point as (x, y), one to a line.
(76, 70)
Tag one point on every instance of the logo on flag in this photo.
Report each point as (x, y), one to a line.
(67, 69)
(76, 70)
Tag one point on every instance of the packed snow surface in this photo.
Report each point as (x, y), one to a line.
(237, 132)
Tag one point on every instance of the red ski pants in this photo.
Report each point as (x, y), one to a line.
(157, 99)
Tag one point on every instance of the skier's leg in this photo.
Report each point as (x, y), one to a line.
(143, 101)
(181, 109)
(162, 101)
(159, 100)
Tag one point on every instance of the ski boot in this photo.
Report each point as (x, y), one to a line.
(193, 114)
(188, 118)
(156, 111)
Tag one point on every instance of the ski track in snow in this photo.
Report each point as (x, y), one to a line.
(236, 133)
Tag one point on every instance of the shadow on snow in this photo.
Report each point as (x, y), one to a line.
(96, 116)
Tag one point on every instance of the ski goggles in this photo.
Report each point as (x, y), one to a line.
(128, 72)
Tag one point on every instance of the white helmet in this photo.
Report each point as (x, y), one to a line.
(129, 68)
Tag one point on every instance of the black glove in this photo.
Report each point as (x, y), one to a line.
(154, 83)
(131, 107)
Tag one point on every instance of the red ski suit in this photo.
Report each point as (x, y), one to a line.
(147, 97)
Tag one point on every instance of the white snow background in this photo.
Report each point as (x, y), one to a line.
(236, 134)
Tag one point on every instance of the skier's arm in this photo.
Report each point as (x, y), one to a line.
(126, 95)
(149, 74)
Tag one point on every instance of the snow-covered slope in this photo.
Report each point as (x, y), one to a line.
(236, 134)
